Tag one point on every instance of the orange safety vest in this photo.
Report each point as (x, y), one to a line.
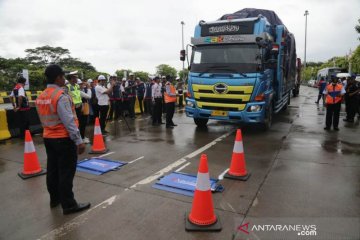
(169, 99)
(46, 106)
(330, 89)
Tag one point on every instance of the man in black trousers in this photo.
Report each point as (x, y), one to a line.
(157, 102)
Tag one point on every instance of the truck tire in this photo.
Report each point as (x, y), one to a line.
(201, 122)
(287, 102)
(268, 118)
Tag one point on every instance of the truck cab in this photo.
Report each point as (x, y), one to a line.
(239, 71)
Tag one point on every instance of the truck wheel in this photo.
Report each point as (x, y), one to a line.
(201, 122)
(268, 118)
(287, 103)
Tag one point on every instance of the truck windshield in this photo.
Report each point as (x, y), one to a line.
(226, 58)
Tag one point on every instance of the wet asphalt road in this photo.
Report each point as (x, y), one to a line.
(300, 175)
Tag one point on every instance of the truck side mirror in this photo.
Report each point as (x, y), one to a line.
(182, 55)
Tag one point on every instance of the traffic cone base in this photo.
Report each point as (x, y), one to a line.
(26, 176)
(191, 227)
(241, 178)
(99, 152)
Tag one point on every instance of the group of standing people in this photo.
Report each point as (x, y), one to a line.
(333, 94)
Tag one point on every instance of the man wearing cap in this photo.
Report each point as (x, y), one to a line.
(333, 92)
(93, 101)
(102, 94)
(170, 100)
(74, 91)
(140, 90)
(21, 105)
(157, 102)
(62, 140)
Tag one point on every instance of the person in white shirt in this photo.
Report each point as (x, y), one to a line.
(102, 94)
(156, 96)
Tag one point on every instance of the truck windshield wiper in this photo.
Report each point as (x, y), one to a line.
(224, 68)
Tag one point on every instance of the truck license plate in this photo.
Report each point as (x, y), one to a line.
(219, 113)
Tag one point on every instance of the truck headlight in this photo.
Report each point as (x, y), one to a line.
(255, 108)
(190, 104)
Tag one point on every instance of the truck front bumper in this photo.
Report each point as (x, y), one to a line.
(233, 116)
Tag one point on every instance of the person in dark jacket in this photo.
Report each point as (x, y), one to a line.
(148, 100)
(140, 91)
(351, 100)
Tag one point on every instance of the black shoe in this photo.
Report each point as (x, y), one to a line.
(317, 102)
(156, 124)
(162, 123)
(168, 126)
(54, 204)
(326, 128)
(336, 129)
(348, 120)
(174, 125)
(79, 207)
(104, 132)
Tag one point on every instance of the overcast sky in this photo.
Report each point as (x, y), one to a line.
(141, 34)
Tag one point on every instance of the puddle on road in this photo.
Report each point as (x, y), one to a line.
(339, 146)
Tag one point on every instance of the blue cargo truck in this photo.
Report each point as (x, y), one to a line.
(242, 69)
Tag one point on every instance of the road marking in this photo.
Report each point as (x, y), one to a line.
(221, 176)
(106, 154)
(77, 221)
(231, 207)
(136, 159)
(181, 168)
(209, 145)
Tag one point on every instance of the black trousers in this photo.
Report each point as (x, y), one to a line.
(95, 109)
(25, 122)
(321, 95)
(148, 106)
(132, 107)
(157, 113)
(170, 109)
(103, 114)
(181, 100)
(351, 107)
(141, 99)
(82, 121)
(118, 108)
(111, 110)
(61, 166)
(333, 114)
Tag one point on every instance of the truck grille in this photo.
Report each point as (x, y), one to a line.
(234, 99)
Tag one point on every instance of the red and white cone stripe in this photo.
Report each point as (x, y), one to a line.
(97, 130)
(238, 147)
(203, 182)
(29, 147)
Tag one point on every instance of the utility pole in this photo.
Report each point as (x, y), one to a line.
(182, 37)
(305, 14)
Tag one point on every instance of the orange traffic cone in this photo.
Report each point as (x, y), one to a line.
(98, 143)
(31, 162)
(238, 166)
(202, 216)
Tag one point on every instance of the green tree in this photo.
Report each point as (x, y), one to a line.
(355, 60)
(165, 70)
(46, 54)
(183, 74)
(121, 73)
(357, 27)
(142, 75)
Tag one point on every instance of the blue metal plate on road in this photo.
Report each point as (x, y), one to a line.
(99, 166)
(183, 183)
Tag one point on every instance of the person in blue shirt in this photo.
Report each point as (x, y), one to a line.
(321, 87)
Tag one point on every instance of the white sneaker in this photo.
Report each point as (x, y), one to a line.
(86, 140)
